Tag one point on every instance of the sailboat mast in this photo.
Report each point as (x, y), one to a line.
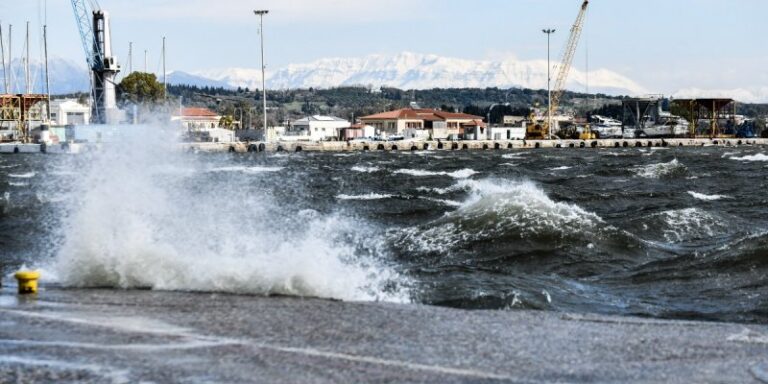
(2, 55)
(26, 64)
(47, 78)
(10, 58)
(165, 82)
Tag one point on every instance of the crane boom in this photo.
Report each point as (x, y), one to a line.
(564, 68)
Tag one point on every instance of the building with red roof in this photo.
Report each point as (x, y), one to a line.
(408, 121)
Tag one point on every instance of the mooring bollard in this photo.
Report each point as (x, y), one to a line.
(27, 281)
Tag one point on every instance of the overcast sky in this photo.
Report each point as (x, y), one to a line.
(662, 44)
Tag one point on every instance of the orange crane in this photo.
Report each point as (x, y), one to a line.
(540, 131)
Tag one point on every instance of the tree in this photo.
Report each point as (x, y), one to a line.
(140, 88)
(227, 121)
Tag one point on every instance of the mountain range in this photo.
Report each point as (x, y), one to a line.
(404, 71)
(418, 71)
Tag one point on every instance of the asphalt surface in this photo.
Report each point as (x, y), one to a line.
(109, 336)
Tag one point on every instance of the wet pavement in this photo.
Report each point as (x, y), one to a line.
(114, 336)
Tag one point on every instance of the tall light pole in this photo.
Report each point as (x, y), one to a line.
(261, 14)
(488, 131)
(549, 33)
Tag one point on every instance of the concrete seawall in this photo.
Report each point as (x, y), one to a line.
(394, 146)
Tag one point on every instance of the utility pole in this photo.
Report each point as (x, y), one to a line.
(145, 61)
(549, 33)
(261, 14)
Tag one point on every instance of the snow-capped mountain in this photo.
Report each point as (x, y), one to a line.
(420, 71)
(65, 76)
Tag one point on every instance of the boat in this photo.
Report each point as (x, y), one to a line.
(665, 125)
(606, 127)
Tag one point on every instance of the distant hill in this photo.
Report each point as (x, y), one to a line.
(65, 76)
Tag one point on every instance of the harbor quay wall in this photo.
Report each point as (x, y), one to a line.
(405, 145)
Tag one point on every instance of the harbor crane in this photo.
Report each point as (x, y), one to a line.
(540, 131)
(95, 33)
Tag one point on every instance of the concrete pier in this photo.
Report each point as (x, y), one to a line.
(116, 336)
(479, 145)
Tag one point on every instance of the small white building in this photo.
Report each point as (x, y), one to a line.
(317, 127)
(70, 112)
(202, 124)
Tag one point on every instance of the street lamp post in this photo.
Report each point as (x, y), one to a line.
(261, 14)
(549, 33)
(488, 132)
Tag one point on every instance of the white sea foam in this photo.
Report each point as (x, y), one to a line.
(449, 203)
(369, 196)
(704, 197)
(656, 171)
(17, 184)
(27, 175)
(514, 156)
(128, 226)
(563, 168)
(757, 157)
(244, 169)
(365, 169)
(460, 174)
(689, 224)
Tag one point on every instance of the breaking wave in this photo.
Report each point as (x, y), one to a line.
(460, 174)
(369, 196)
(131, 225)
(662, 170)
(365, 169)
(704, 197)
(757, 157)
(497, 210)
(27, 175)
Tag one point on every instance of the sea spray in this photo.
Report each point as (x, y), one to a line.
(132, 223)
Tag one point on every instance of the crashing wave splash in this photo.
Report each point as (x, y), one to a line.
(131, 226)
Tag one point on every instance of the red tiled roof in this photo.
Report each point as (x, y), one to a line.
(198, 112)
(420, 114)
(474, 123)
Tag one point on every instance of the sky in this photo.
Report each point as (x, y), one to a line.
(665, 45)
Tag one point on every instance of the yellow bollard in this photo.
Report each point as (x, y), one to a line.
(27, 281)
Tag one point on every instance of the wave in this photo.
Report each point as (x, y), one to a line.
(446, 202)
(365, 169)
(662, 170)
(497, 210)
(460, 174)
(15, 184)
(244, 169)
(126, 226)
(369, 196)
(757, 157)
(704, 197)
(563, 168)
(27, 175)
(689, 224)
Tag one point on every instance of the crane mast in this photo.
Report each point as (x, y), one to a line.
(564, 67)
(95, 33)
